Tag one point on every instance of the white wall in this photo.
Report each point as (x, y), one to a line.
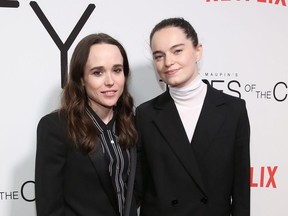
(245, 53)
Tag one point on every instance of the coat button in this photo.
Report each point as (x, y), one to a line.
(174, 202)
(204, 200)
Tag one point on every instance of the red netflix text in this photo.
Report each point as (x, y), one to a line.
(263, 177)
(275, 2)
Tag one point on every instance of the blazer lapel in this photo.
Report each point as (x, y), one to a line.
(101, 166)
(170, 126)
(210, 120)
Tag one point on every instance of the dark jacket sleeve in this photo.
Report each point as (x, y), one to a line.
(138, 176)
(49, 166)
(241, 184)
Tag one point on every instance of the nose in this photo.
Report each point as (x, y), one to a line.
(109, 81)
(168, 60)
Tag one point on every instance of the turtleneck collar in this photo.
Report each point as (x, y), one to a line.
(185, 95)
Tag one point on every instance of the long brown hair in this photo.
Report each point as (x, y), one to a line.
(74, 99)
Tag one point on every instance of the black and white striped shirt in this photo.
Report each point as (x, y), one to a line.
(118, 159)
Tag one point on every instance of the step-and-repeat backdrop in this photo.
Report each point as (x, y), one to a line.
(245, 54)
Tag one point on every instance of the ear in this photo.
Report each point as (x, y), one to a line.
(199, 50)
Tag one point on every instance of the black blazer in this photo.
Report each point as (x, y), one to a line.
(70, 183)
(208, 176)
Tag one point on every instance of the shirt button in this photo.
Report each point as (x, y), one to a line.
(174, 202)
(204, 200)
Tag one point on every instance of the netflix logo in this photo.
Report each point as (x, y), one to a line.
(263, 177)
(274, 2)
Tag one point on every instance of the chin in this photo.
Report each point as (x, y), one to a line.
(173, 84)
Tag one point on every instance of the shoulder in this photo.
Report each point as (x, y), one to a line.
(231, 105)
(52, 132)
(52, 121)
(152, 103)
(219, 97)
(52, 138)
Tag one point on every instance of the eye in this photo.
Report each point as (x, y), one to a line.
(97, 73)
(158, 57)
(118, 69)
(178, 51)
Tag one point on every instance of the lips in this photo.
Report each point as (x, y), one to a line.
(171, 71)
(109, 93)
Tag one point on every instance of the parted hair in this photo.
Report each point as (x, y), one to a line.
(74, 100)
(180, 23)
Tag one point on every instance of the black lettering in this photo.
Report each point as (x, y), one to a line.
(22, 191)
(233, 90)
(9, 4)
(12, 195)
(63, 47)
(274, 92)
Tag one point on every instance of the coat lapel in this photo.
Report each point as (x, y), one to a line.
(211, 118)
(101, 167)
(173, 131)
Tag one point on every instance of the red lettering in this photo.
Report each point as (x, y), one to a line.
(262, 172)
(276, 2)
(263, 176)
(271, 177)
(282, 1)
(252, 184)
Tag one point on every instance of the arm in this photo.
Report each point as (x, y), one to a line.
(138, 176)
(241, 185)
(139, 186)
(49, 167)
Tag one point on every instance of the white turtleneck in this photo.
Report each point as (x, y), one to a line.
(189, 101)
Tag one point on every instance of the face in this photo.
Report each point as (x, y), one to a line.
(174, 56)
(103, 77)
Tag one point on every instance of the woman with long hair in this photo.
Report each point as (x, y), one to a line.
(85, 159)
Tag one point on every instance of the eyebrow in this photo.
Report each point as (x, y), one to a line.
(96, 68)
(101, 67)
(173, 47)
(118, 65)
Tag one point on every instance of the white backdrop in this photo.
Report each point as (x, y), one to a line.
(245, 54)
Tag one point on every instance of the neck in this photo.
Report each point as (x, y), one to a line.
(104, 113)
(187, 93)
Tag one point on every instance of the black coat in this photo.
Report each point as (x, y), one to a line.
(71, 183)
(176, 177)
